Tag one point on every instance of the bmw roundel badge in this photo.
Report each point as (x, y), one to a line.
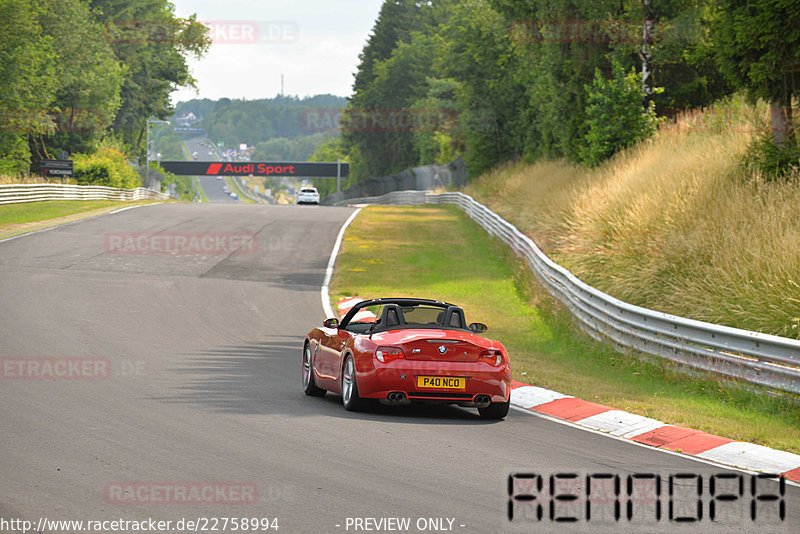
(442, 349)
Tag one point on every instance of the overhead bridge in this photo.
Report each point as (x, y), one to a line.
(260, 168)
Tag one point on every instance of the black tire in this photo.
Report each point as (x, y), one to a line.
(352, 402)
(309, 387)
(496, 410)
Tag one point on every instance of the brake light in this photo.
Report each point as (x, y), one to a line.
(387, 354)
(492, 357)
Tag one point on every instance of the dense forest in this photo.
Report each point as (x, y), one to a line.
(500, 80)
(83, 76)
(489, 80)
(284, 128)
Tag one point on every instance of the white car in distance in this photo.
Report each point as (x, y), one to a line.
(307, 195)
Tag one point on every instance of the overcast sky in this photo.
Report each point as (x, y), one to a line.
(314, 43)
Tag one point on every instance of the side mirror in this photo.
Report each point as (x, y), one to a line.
(478, 328)
(331, 323)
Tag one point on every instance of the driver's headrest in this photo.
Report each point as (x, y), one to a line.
(392, 315)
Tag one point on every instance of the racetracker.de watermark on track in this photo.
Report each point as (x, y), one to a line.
(180, 493)
(55, 368)
(180, 243)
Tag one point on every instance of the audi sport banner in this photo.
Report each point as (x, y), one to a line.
(246, 168)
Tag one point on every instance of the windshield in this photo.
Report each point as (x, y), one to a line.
(395, 316)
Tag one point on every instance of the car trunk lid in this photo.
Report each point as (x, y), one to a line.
(442, 350)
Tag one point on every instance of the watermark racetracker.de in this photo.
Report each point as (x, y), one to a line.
(584, 242)
(252, 31)
(55, 368)
(68, 119)
(180, 243)
(377, 120)
(180, 493)
(237, 32)
(148, 525)
(580, 31)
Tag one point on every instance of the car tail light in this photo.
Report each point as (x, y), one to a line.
(387, 354)
(492, 357)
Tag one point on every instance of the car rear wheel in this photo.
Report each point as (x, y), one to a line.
(496, 410)
(309, 387)
(350, 397)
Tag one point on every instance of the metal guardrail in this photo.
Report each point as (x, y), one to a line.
(753, 357)
(422, 178)
(249, 193)
(14, 193)
(395, 197)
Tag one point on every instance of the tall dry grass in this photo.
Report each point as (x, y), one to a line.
(674, 224)
(6, 179)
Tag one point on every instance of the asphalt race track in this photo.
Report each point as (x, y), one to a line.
(212, 187)
(184, 375)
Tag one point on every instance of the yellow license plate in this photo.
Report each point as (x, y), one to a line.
(442, 382)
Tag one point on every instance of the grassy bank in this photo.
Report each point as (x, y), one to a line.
(6, 179)
(673, 224)
(199, 189)
(28, 216)
(437, 252)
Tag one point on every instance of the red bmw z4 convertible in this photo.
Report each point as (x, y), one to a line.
(404, 350)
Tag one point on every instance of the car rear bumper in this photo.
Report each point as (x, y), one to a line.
(377, 380)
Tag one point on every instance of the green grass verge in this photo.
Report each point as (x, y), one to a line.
(199, 188)
(29, 216)
(185, 186)
(438, 252)
(28, 212)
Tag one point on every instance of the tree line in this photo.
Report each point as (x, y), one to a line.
(78, 75)
(235, 121)
(284, 128)
(500, 80)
